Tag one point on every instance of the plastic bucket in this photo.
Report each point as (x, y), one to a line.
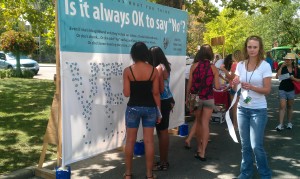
(63, 173)
(139, 148)
(183, 130)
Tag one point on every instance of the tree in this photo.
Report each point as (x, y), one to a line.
(17, 43)
(281, 24)
(40, 14)
(251, 6)
(235, 30)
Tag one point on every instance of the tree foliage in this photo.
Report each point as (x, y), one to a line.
(252, 6)
(234, 29)
(17, 43)
(281, 24)
(39, 13)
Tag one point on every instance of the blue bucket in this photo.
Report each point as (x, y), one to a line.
(139, 148)
(183, 130)
(63, 173)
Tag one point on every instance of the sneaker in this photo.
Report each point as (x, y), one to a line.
(279, 127)
(289, 125)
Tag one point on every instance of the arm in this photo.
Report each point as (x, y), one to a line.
(279, 71)
(295, 79)
(216, 75)
(229, 75)
(155, 88)
(189, 85)
(126, 83)
(155, 91)
(266, 89)
(161, 79)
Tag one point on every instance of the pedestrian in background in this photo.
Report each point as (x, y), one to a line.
(255, 75)
(270, 60)
(159, 60)
(203, 78)
(286, 73)
(141, 85)
(236, 57)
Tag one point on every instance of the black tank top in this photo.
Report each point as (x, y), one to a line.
(141, 92)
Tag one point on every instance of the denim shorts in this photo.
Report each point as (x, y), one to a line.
(286, 94)
(134, 114)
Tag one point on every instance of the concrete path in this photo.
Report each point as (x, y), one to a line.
(223, 155)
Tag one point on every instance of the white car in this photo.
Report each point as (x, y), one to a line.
(8, 61)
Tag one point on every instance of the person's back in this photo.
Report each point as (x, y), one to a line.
(203, 79)
(141, 85)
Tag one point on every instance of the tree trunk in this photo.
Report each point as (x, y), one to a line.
(18, 67)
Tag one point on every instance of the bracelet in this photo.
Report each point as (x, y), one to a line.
(158, 113)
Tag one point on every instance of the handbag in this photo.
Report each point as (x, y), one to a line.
(296, 83)
(192, 102)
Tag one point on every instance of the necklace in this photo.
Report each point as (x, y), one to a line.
(251, 73)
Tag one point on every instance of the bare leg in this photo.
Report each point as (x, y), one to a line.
(205, 117)
(199, 131)
(191, 134)
(282, 110)
(290, 104)
(130, 141)
(149, 149)
(163, 137)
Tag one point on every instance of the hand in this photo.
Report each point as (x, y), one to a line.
(292, 77)
(222, 67)
(158, 120)
(246, 86)
(283, 65)
(236, 81)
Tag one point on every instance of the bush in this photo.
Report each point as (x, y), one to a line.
(13, 73)
(5, 73)
(28, 74)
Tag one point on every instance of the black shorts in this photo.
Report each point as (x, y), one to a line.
(166, 108)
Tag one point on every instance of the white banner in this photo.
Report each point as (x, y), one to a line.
(95, 41)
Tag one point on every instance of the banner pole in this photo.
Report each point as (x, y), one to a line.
(58, 88)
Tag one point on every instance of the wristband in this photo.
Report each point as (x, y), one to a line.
(158, 113)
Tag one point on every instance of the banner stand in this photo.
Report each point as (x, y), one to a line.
(53, 134)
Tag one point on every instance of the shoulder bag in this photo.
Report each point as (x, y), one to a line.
(296, 83)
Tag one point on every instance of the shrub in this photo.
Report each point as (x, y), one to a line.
(27, 74)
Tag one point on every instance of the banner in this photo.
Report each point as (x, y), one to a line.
(95, 39)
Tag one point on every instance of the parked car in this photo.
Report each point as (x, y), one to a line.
(8, 61)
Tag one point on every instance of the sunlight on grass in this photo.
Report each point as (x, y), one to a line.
(24, 109)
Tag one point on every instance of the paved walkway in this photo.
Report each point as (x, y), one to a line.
(223, 155)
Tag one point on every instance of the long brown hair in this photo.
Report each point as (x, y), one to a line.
(261, 51)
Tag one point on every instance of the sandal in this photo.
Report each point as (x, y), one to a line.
(161, 167)
(153, 176)
(187, 146)
(126, 175)
(197, 156)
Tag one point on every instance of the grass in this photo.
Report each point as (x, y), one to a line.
(24, 111)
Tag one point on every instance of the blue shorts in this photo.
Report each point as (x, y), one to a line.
(134, 114)
(287, 95)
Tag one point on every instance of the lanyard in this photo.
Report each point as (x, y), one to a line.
(251, 73)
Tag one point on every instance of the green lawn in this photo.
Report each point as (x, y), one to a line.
(24, 111)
